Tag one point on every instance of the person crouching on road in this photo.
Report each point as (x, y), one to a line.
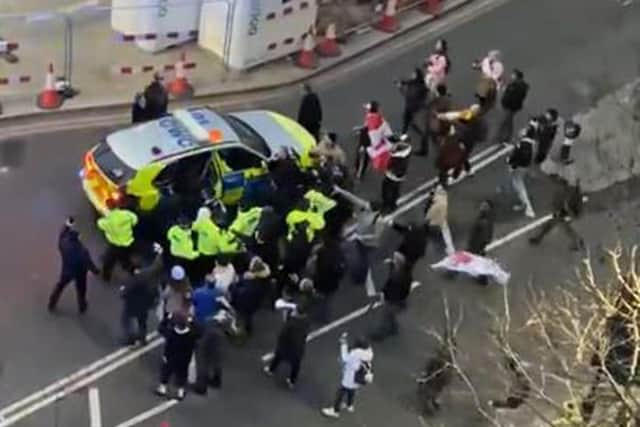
(395, 175)
(395, 295)
(482, 234)
(292, 342)
(356, 372)
(76, 262)
(181, 335)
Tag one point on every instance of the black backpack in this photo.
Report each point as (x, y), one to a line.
(364, 374)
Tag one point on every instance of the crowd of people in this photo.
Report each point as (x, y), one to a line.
(207, 276)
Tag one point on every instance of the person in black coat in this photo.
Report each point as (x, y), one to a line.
(310, 111)
(329, 269)
(180, 334)
(247, 295)
(482, 233)
(414, 241)
(512, 102)
(415, 96)
(139, 296)
(395, 293)
(76, 262)
(546, 134)
(291, 345)
(139, 109)
(157, 98)
(287, 179)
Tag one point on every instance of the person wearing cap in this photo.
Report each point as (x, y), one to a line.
(291, 344)
(180, 335)
(395, 175)
(118, 226)
(208, 237)
(176, 296)
(157, 98)
(310, 111)
(513, 99)
(76, 262)
(182, 248)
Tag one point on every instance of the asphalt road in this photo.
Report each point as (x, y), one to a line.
(570, 52)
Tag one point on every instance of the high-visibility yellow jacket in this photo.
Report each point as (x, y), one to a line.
(246, 221)
(117, 226)
(208, 236)
(181, 243)
(229, 243)
(314, 223)
(318, 202)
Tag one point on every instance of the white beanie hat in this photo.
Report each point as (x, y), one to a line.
(177, 272)
(204, 213)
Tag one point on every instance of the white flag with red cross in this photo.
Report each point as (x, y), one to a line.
(474, 265)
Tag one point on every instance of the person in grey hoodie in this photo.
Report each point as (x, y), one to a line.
(356, 372)
(366, 239)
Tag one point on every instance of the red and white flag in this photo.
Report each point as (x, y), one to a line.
(473, 265)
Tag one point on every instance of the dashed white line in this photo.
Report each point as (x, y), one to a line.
(156, 410)
(95, 412)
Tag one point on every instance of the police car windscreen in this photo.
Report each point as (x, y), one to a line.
(111, 165)
(248, 136)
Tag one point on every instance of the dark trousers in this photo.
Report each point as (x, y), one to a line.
(203, 265)
(407, 120)
(293, 360)
(362, 162)
(178, 371)
(314, 129)
(80, 282)
(113, 255)
(505, 128)
(208, 369)
(544, 146)
(133, 333)
(566, 227)
(344, 393)
(390, 194)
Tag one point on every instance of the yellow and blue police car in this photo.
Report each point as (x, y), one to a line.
(193, 146)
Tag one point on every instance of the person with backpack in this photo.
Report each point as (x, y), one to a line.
(567, 206)
(356, 373)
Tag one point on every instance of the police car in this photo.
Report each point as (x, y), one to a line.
(223, 153)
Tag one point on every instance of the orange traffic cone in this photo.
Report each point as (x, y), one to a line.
(307, 57)
(389, 22)
(49, 98)
(328, 46)
(432, 7)
(179, 87)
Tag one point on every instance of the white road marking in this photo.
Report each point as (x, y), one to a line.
(149, 413)
(518, 232)
(83, 382)
(95, 413)
(364, 310)
(66, 381)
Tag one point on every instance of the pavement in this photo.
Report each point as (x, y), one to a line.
(41, 186)
(96, 53)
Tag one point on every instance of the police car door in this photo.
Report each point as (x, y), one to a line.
(244, 175)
